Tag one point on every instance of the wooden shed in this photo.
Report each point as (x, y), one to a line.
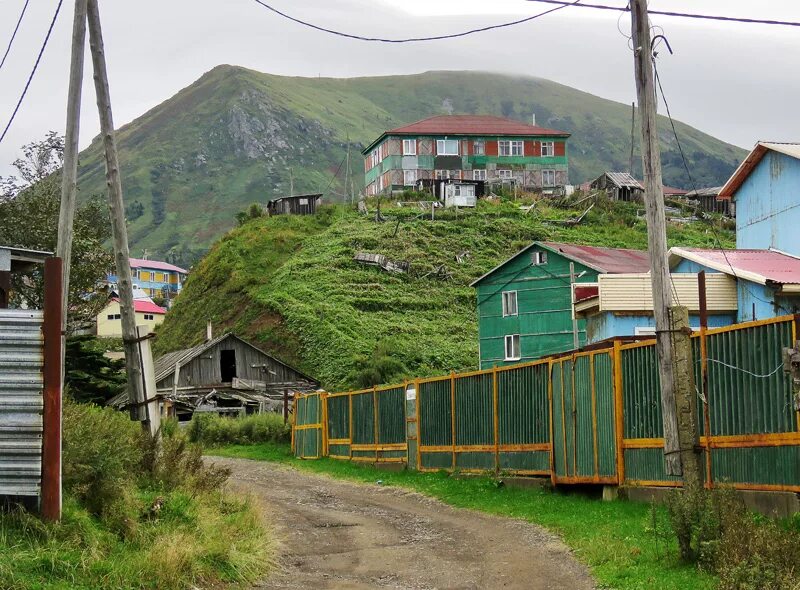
(620, 186)
(295, 205)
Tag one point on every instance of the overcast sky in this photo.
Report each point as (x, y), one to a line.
(737, 82)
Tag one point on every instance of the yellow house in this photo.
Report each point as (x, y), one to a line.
(109, 323)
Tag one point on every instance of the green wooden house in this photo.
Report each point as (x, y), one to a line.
(525, 303)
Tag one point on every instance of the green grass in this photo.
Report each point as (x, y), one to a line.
(235, 135)
(290, 284)
(615, 539)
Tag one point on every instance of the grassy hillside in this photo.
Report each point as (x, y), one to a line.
(290, 284)
(235, 136)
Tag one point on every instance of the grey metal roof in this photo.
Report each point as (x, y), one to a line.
(623, 180)
(712, 191)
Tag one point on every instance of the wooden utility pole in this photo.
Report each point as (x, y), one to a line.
(69, 174)
(347, 171)
(656, 229)
(575, 340)
(119, 231)
(633, 125)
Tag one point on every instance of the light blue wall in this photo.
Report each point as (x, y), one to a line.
(768, 205)
(606, 325)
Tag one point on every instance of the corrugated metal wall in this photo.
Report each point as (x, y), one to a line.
(590, 417)
(308, 434)
(21, 402)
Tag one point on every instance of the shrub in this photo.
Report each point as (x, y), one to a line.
(211, 430)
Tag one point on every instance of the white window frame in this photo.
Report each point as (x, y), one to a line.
(409, 147)
(479, 174)
(441, 147)
(463, 190)
(443, 174)
(510, 304)
(550, 148)
(510, 340)
(538, 258)
(548, 172)
(479, 151)
(409, 177)
(510, 147)
(148, 316)
(505, 174)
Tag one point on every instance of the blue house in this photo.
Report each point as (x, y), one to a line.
(155, 278)
(765, 189)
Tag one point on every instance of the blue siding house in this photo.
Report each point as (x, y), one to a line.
(765, 189)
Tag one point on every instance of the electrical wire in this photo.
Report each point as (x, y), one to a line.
(14, 34)
(335, 174)
(709, 221)
(412, 39)
(33, 71)
(735, 368)
(733, 19)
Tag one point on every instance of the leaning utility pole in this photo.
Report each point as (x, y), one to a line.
(656, 229)
(347, 172)
(119, 232)
(69, 174)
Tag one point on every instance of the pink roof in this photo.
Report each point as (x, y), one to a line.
(605, 260)
(761, 266)
(145, 306)
(157, 265)
(671, 190)
(472, 125)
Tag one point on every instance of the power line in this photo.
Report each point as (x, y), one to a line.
(413, 39)
(33, 71)
(734, 19)
(335, 174)
(14, 34)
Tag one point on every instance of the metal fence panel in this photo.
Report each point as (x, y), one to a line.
(435, 417)
(391, 416)
(364, 418)
(21, 402)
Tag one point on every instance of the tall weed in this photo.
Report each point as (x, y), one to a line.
(212, 430)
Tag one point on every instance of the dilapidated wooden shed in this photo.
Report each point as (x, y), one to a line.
(295, 205)
(620, 186)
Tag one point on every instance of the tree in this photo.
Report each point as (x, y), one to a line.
(254, 211)
(90, 376)
(29, 209)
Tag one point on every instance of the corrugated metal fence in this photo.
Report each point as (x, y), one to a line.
(21, 402)
(588, 417)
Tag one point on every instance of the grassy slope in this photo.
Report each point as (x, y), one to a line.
(615, 539)
(184, 162)
(289, 283)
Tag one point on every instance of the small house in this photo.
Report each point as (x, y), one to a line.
(707, 199)
(295, 205)
(154, 277)
(109, 320)
(620, 186)
(525, 303)
(765, 189)
(224, 375)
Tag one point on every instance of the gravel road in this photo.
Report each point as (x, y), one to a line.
(342, 535)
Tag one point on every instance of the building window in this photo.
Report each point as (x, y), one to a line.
(409, 177)
(509, 303)
(409, 147)
(375, 158)
(478, 148)
(511, 148)
(504, 174)
(448, 174)
(512, 347)
(548, 149)
(446, 147)
(538, 258)
(479, 175)
(111, 316)
(548, 177)
(463, 190)
(148, 316)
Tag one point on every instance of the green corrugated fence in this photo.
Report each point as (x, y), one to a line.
(580, 418)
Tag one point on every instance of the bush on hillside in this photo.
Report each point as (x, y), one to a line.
(212, 430)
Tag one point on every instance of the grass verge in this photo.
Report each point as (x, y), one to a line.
(626, 545)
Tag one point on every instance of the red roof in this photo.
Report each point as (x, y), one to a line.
(671, 190)
(472, 125)
(584, 292)
(156, 264)
(145, 306)
(605, 260)
(759, 266)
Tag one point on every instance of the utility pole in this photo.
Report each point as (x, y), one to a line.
(633, 119)
(119, 232)
(69, 175)
(575, 339)
(656, 230)
(291, 182)
(347, 170)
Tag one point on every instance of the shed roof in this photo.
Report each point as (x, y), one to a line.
(758, 266)
(469, 125)
(752, 160)
(22, 259)
(711, 191)
(165, 364)
(156, 264)
(307, 196)
(603, 260)
(622, 180)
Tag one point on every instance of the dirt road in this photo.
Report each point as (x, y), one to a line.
(336, 534)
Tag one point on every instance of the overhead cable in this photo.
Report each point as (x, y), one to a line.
(14, 34)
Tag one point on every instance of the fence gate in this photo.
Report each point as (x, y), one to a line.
(308, 439)
(21, 401)
(583, 419)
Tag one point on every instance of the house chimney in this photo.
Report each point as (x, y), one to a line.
(209, 331)
(533, 119)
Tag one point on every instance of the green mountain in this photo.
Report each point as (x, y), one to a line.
(290, 284)
(237, 136)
